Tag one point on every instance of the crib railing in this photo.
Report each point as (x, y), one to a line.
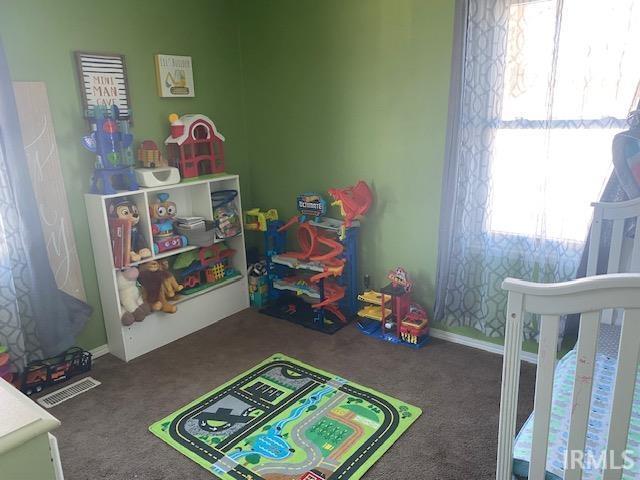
(588, 296)
(623, 256)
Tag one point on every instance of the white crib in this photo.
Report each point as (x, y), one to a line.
(588, 296)
(624, 253)
(595, 298)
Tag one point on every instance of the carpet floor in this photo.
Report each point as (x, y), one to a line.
(104, 431)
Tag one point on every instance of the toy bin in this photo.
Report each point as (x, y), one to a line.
(226, 218)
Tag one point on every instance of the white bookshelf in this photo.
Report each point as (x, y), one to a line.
(195, 311)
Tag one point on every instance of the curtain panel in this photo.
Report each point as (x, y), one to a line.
(36, 319)
(533, 110)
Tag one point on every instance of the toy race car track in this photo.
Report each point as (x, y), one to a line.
(295, 310)
(285, 420)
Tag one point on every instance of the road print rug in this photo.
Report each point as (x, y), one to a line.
(285, 420)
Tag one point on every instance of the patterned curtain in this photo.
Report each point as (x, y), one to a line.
(36, 319)
(17, 326)
(541, 96)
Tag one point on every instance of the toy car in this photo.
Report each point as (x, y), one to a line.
(51, 371)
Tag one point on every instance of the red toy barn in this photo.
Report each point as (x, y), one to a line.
(195, 146)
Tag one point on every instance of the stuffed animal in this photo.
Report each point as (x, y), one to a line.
(158, 285)
(125, 209)
(169, 283)
(135, 309)
(162, 214)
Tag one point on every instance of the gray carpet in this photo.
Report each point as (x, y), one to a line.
(104, 431)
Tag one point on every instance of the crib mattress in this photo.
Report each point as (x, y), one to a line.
(604, 377)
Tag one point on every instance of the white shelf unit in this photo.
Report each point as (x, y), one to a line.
(195, 311)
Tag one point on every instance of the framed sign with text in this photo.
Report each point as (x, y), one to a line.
(103, 81)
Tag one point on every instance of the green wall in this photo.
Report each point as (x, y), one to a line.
(309, 94)
(338, 91)
(40, 37)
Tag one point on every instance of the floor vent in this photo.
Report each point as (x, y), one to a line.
(65, 393)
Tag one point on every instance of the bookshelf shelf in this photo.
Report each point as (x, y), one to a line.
(195, 311)
(183, 298)
(162, 255)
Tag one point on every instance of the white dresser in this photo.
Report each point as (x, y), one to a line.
(27, 450)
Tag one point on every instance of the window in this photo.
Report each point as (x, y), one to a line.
(570, 81)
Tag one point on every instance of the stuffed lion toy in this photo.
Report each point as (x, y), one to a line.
(158, 285)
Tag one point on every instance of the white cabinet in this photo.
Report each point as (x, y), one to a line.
(27, 449)
(195, 311)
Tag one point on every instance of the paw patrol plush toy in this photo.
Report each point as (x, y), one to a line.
(124, 208)
(162, 215)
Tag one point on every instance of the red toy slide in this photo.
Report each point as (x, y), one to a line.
(333, 293)
(354, 201)
(311, 243)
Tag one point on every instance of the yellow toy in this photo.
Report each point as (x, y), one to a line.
(261, 219)
(177, 79)
(374, 310)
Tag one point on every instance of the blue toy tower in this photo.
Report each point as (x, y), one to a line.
(293, 300)
(111, 141)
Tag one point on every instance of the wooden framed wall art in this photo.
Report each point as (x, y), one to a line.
(174, 74)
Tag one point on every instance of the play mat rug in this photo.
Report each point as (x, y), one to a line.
(285, 420)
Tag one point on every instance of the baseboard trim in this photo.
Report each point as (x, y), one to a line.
(479, 344)
(99, 351)
(434, 332)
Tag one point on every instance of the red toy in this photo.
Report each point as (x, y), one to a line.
(313, 247)
(169, 243)
(354, 201)
(311, 243)
(333, 294)
(400, 278)
(208, 265)
(415, 324)
(312, 475)
(391, 316)
(324, 268)
(195, 146)
(191, 281)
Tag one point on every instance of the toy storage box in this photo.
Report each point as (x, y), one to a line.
(195, 311)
